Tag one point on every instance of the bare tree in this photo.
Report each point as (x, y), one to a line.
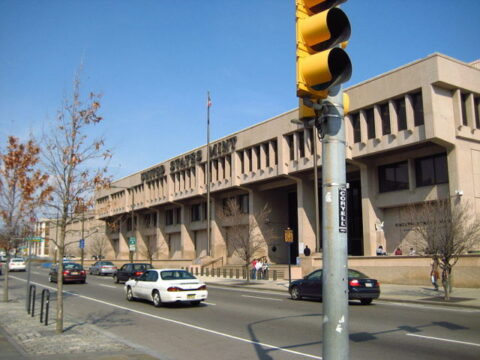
(246, 235)
(445, 229)
(77, 166)
(23, 189)
(151, 249)
(98, 246)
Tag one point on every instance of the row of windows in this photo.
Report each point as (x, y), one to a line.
(430, 170)
(466, 100)
(258, 157)
(399, 106)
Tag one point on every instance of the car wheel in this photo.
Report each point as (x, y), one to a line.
(295, 293)
(82, 282)
(50, 278)
(115, 279)
(366, 301)
(157, 301)
(195, 303)
(130, 294)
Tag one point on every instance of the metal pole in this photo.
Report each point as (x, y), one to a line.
(334, 230)
(29, 266)
(315, 188)
(83, 232)
(133, 225)
(208, 178)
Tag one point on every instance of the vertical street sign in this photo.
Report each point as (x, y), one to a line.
(81, 243)
(132, 243)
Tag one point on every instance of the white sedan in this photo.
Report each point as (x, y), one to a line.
(166, 286)
(16, 264)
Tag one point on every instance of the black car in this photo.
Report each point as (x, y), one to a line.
(72, 272)
(360, 287)
(130, 270)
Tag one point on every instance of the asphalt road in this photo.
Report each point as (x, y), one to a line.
(244, 324)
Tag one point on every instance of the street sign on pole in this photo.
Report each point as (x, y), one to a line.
(81, 243)
(132, 243)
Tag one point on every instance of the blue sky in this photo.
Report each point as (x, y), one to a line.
(155, 60)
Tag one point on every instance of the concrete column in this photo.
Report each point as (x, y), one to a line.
(393, 118)
(306, 212)
(363, 128)
(263, 156)
(187, 241)
(378, 123)
(409, 112)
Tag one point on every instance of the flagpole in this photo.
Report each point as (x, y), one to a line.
(208, 177)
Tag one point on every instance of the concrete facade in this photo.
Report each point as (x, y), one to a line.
(413, 135)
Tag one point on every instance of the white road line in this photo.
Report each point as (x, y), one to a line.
(185, 324)
(109, 286)
(446, 340)
(429, 307)
(209, 303)
(263, 298)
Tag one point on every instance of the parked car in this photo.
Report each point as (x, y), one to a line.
(72, 272)
(166, 286)
(17, 264)
(102, 268)
(130, 270)
(360, 287)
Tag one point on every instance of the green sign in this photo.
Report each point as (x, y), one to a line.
(132, 243)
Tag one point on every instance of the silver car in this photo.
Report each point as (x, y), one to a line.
(102, 268)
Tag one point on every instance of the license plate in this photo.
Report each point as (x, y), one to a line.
(74, 273)
(368, 284)
(191, 296)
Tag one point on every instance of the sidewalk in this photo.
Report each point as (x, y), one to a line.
(23, 337)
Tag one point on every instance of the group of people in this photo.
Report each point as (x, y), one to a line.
(381, 251)
(259, 268)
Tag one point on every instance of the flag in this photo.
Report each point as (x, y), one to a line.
(209, 101)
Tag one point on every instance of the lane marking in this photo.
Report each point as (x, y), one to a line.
(191, 326)
(108, 286)
(446, 340)
(262, 298)
(209, 303)
(428, 307)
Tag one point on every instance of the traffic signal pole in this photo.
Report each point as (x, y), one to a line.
(334, 229)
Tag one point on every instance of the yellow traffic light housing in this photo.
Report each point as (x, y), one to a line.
(322, 32)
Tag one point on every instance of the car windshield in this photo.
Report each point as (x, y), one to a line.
(356, 274)
(176, 275)
(109, 263)
(142, 266)
(70, 266)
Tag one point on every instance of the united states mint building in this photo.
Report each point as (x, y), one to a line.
(413, 135)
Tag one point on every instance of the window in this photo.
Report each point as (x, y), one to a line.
(370, 118)
(249, 156)
(355, 118)
(401, 113)
(150, 220)
(178, 215)
(477, 111)
(393, 177)
(301, 144)
(169, 217)
(431, 170)
(464, 99)
(274, 150)
(243, 201)
(290, 146)
(385, 116)
(417, 104)
(196, 214)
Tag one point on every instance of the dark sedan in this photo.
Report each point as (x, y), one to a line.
(72, 272)
(131, 270)
(360, 287)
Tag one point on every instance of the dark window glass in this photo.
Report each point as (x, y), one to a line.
(370, 118)
(243, 201)
(249, 156)
(356, 127)
(257, 155)
(401, 113)
(464, 98)
(385, 116)
(178, 215)
(393, 176)
(417, 104)
(196, 212)
(477, 111)
(301, 144)
(291, 147)
(274, 148)
(431, 170)
(266, 148)
(242, 161)
(169, 217)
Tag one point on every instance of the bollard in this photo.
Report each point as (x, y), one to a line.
(201, 271)
(29, 300)
(33, 299)
(274, 275)
(46, 302)
(231, 273)
(206, 272)
(218, 272)
(224, 273)
(237, 273)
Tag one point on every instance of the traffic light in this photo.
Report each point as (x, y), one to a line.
(322, 32)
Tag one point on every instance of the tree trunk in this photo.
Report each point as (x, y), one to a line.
(447, 283)
(5, 281)
(247, 268)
